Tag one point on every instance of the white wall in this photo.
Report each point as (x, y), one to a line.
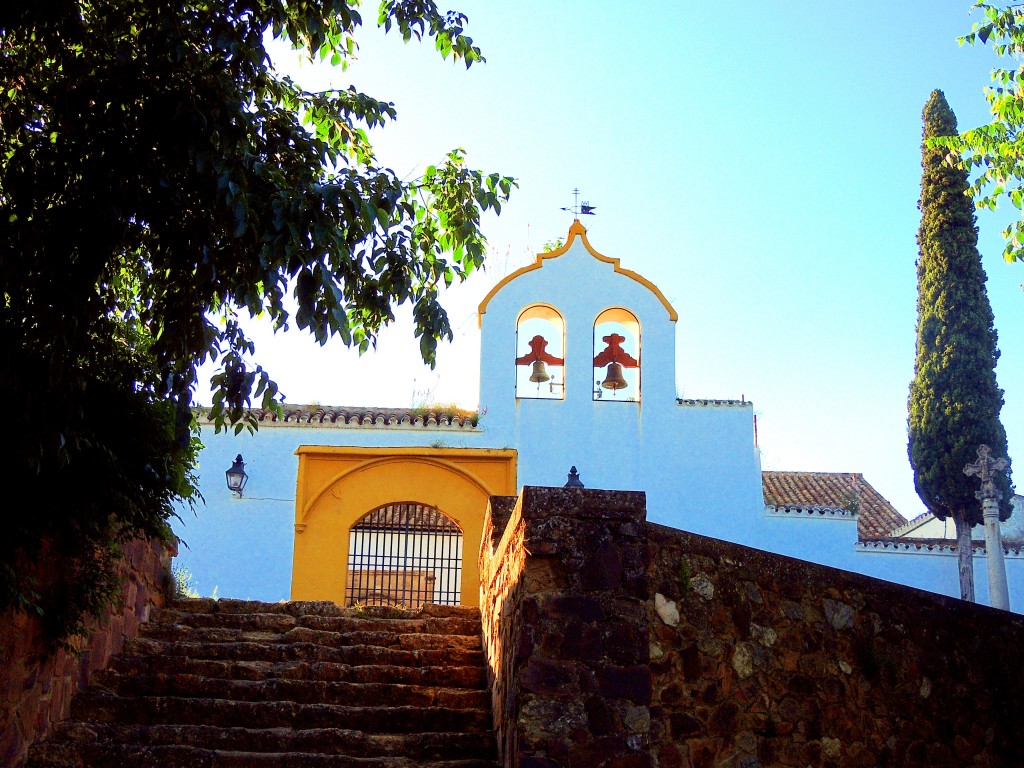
(243, 547)
(696, 461)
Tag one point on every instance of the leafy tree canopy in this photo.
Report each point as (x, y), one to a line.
(996, 150)
(158, 177)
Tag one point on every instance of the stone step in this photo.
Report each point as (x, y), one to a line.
(282, 622)
(370, 694)
(233, 683)
(321, 608)
(333, 741)
(62, 755)
(255, 650)
(331, 639)
(93, 705)
(474, 676)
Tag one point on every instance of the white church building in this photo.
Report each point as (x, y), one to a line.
(577, 370)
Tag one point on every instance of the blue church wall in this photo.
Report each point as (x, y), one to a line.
(697, 463)
(832, 542)
(697, 460)
(242, 547)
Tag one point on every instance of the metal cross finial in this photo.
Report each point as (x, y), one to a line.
(580, 209)
(986, 468)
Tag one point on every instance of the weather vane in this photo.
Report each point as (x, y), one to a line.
(578, 208)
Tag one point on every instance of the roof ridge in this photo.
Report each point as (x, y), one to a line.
(316, 415)
(850, 491)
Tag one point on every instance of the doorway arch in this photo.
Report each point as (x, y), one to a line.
(404, 554)
(339, 485)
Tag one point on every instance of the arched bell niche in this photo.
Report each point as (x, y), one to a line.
(617, 356)
(540, 353)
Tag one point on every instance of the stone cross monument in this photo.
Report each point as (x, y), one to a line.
(985, 468)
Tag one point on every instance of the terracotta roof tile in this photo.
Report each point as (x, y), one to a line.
(876, 517)
(365, 416)
(704, 401)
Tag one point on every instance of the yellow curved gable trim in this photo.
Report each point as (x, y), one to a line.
(400, 455)
(577, 229)
(374, 463)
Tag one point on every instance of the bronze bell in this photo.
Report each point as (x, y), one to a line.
(540, 372)
(614, 379)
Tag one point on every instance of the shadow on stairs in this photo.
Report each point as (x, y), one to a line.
(232, 683)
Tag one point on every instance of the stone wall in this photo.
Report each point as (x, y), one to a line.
(565, 628)
(762, 660)
(35, 688)
(502, 561)
(615, 642)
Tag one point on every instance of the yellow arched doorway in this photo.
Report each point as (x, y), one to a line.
(338, 486)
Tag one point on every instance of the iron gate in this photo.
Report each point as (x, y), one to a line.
(404, 554)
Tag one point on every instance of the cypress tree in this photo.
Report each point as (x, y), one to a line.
(954, 399)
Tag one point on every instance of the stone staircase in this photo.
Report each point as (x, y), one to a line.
(231, 683)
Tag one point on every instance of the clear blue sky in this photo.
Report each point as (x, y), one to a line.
(760, 162)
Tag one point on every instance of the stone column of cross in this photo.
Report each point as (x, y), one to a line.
(985, 468)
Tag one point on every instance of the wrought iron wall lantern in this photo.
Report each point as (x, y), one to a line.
(236, 477)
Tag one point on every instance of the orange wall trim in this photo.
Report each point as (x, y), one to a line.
(337, 485)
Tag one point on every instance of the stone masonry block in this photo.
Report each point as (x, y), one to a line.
(602, 567)
(544, 574)
(569, 605)
(633, 683)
